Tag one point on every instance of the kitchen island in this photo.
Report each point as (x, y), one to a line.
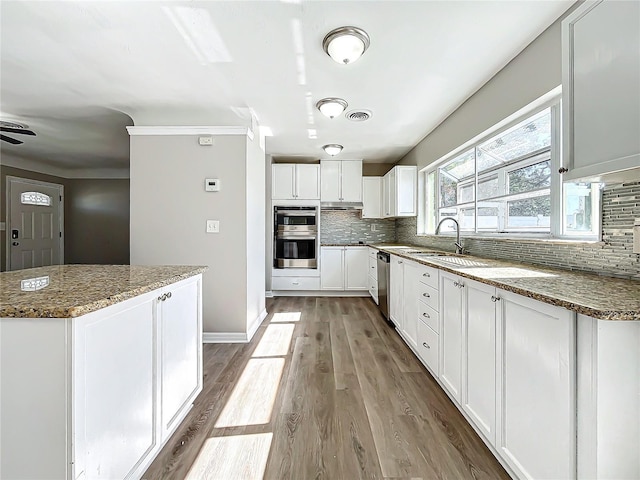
(98, 366)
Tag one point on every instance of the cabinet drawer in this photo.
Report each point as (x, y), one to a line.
(429, 296)
(373, 287)
(429, 276)
(295, 283)
(429, 316)
(428, 346)
(373, 266)
(373, 253)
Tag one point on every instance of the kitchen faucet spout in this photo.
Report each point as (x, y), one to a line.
(459, 247)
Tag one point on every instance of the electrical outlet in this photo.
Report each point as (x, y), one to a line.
(213, 226)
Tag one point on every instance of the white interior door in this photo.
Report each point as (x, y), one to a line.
(34, 214)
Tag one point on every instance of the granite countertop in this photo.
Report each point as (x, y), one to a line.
(605, 298)
(344, 245)
(63, 291)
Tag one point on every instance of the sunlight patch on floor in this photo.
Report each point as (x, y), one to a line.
(252, 399)
(282, 317)
(237, 457)
(275, 341)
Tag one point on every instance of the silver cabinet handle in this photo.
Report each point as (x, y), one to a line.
(458, 284)
(425, 314)
(426, 295)
(163, 297)
(168, 294)
(424, 344)
(494, 298)
(399, 262)
(426, 275)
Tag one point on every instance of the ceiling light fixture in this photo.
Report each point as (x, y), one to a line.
(332, 149)
(346, 44)
(331, 107)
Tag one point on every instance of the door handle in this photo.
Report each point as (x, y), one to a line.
(15, 244)
(14, 234)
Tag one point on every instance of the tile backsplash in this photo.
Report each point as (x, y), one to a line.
(614, 256)
(346, 226)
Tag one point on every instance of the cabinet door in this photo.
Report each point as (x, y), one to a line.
(451, 333)
(601, 74)
(180, 354)
(352, 181)
(396, 290)
(479, 373)
(330, 181)
(372, 197)
(411, 302)
(390, 194)
(406, 182)
(356, 268)
(331, 272)
(307, 182)
(536, 360)
(282, 181)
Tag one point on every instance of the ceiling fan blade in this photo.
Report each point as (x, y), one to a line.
(21, 131)
(10, 140)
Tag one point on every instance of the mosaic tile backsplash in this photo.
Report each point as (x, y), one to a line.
(346, 226)
(614, 256)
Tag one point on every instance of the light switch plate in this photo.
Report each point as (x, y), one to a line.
(212, 184)
(205, 140)
(213, 226)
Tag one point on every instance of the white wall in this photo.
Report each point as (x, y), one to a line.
(534, 72)
(256, 251)
(169, 209)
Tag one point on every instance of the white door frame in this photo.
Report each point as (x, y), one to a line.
(10, 181)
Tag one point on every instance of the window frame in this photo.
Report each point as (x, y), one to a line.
(556, 231)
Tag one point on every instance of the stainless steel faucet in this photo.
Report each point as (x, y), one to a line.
(459, 248)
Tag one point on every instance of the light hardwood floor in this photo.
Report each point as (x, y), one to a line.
(325, 390)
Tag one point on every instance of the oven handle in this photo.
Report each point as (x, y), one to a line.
(289, 236)
(297, 213)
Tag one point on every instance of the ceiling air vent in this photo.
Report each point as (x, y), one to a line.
(358, 115)
(4, 123)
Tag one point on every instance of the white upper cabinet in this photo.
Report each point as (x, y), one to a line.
(400, 191)
(295, 181)
(372, 197)
(341, 180)
(601, 93)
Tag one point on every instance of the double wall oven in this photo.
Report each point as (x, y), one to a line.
(296, 237)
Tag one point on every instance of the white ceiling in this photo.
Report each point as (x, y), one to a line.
(78, 72)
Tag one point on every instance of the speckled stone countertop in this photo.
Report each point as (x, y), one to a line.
(63, 291)
(605, 298)
(344, 245)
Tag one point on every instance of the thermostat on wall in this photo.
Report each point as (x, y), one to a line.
(212, 184)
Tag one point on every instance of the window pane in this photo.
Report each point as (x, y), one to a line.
(531, 135)
(451, 173)
(35, 198)
(533, 177)
(464, 215)
(580, 208)
(530, 213)
(489, 217)
(465, 193)
(488, 188)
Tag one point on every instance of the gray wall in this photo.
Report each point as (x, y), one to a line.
(534, 72)
(96, 217)
(346, 226)
(169, 209)
(375, 169)
(615, 257)
(97, 213)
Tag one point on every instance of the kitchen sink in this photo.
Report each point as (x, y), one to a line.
(459, 261)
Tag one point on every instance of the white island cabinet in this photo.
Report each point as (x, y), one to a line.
(95, 395)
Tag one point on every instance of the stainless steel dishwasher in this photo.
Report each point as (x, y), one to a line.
(383, 283)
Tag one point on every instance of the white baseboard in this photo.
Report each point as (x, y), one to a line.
(268, 294)
(321, 293)
(224, 337)
(235, 337)
(253, 328)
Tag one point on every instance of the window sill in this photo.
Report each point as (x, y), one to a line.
(526, 239)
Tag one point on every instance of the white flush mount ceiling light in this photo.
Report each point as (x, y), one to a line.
(346, 44)
(332, 149)
(331, 107)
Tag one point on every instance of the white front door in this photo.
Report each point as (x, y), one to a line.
(34, 230)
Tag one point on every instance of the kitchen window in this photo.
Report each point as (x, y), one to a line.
(507, 183)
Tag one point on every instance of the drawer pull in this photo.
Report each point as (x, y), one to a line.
(426, 295)
(424, 344)
(458, 284)
(494, 298)
(425, 314)
(426, 275)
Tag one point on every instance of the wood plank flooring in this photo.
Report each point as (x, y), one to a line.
(325, 390)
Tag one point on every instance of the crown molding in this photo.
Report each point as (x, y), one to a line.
(188, 130)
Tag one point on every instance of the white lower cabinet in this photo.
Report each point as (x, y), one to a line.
(451, 317)
(396, 290)
(479, 367)
(111, 386)
(536, 432)
(411, 281)
(344, 268)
